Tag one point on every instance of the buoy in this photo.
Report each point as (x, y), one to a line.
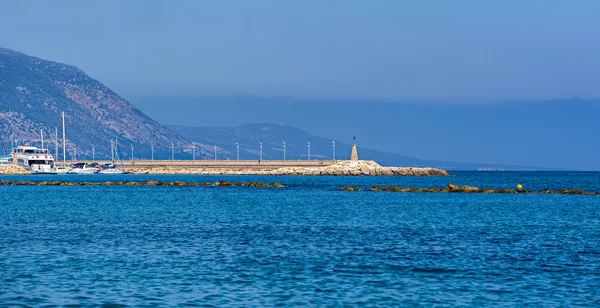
(519, 187)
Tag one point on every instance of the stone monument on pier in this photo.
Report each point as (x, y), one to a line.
(354, 155)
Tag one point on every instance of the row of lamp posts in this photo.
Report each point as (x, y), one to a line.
(260, 145)
(237, 145)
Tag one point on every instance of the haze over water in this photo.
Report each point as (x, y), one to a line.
(306, 244)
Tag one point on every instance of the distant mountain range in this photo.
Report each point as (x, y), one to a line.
(557, 133)
(272, 137)
(34, 92)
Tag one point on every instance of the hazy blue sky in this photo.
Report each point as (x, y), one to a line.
(400, 50)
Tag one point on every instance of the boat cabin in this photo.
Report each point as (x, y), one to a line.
(24, 150)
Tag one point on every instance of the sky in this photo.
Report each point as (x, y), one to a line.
(465, 51)
(430, 79)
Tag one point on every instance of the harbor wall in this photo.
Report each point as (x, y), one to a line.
(216, 164)
(275, 167)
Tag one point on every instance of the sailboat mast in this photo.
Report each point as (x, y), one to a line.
(42, 135)
(64, 140)
(55, 143)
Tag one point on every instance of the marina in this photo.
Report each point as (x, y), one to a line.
(352, 167)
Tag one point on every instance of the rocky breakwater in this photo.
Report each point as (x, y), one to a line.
(222, 183)
(10, 169)
(341, 168)
(360, 168)
(472, 189)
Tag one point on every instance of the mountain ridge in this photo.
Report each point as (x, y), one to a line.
(34, 92)
(553, 133)
(273, 135)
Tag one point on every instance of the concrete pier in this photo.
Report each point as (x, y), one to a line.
(214, 164)
(253, 167)
(271, 167)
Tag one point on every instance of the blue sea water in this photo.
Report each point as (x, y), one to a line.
(306, 244)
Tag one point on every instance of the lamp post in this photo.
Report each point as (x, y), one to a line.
(237, 146)
(308, 145)
(152, 149)
(93, 153)
(172, 151)
(284, 151)
(132, 153)
(260, 156)
(333, 144)
(193, 152)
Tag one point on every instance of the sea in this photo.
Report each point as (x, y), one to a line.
(307, 244)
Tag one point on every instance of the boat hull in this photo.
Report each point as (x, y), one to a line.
(63, 170)
(83, 171)
(112, 171)
(45, 172)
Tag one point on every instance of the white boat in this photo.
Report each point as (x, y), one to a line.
(5, 159)
(83, 168)
(63, 169)
(38, 161)
(111, 170)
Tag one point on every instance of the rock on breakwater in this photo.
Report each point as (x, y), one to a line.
(472, 189)
(340, 168)
(361, 168)
(10, 169)
(145, 183)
